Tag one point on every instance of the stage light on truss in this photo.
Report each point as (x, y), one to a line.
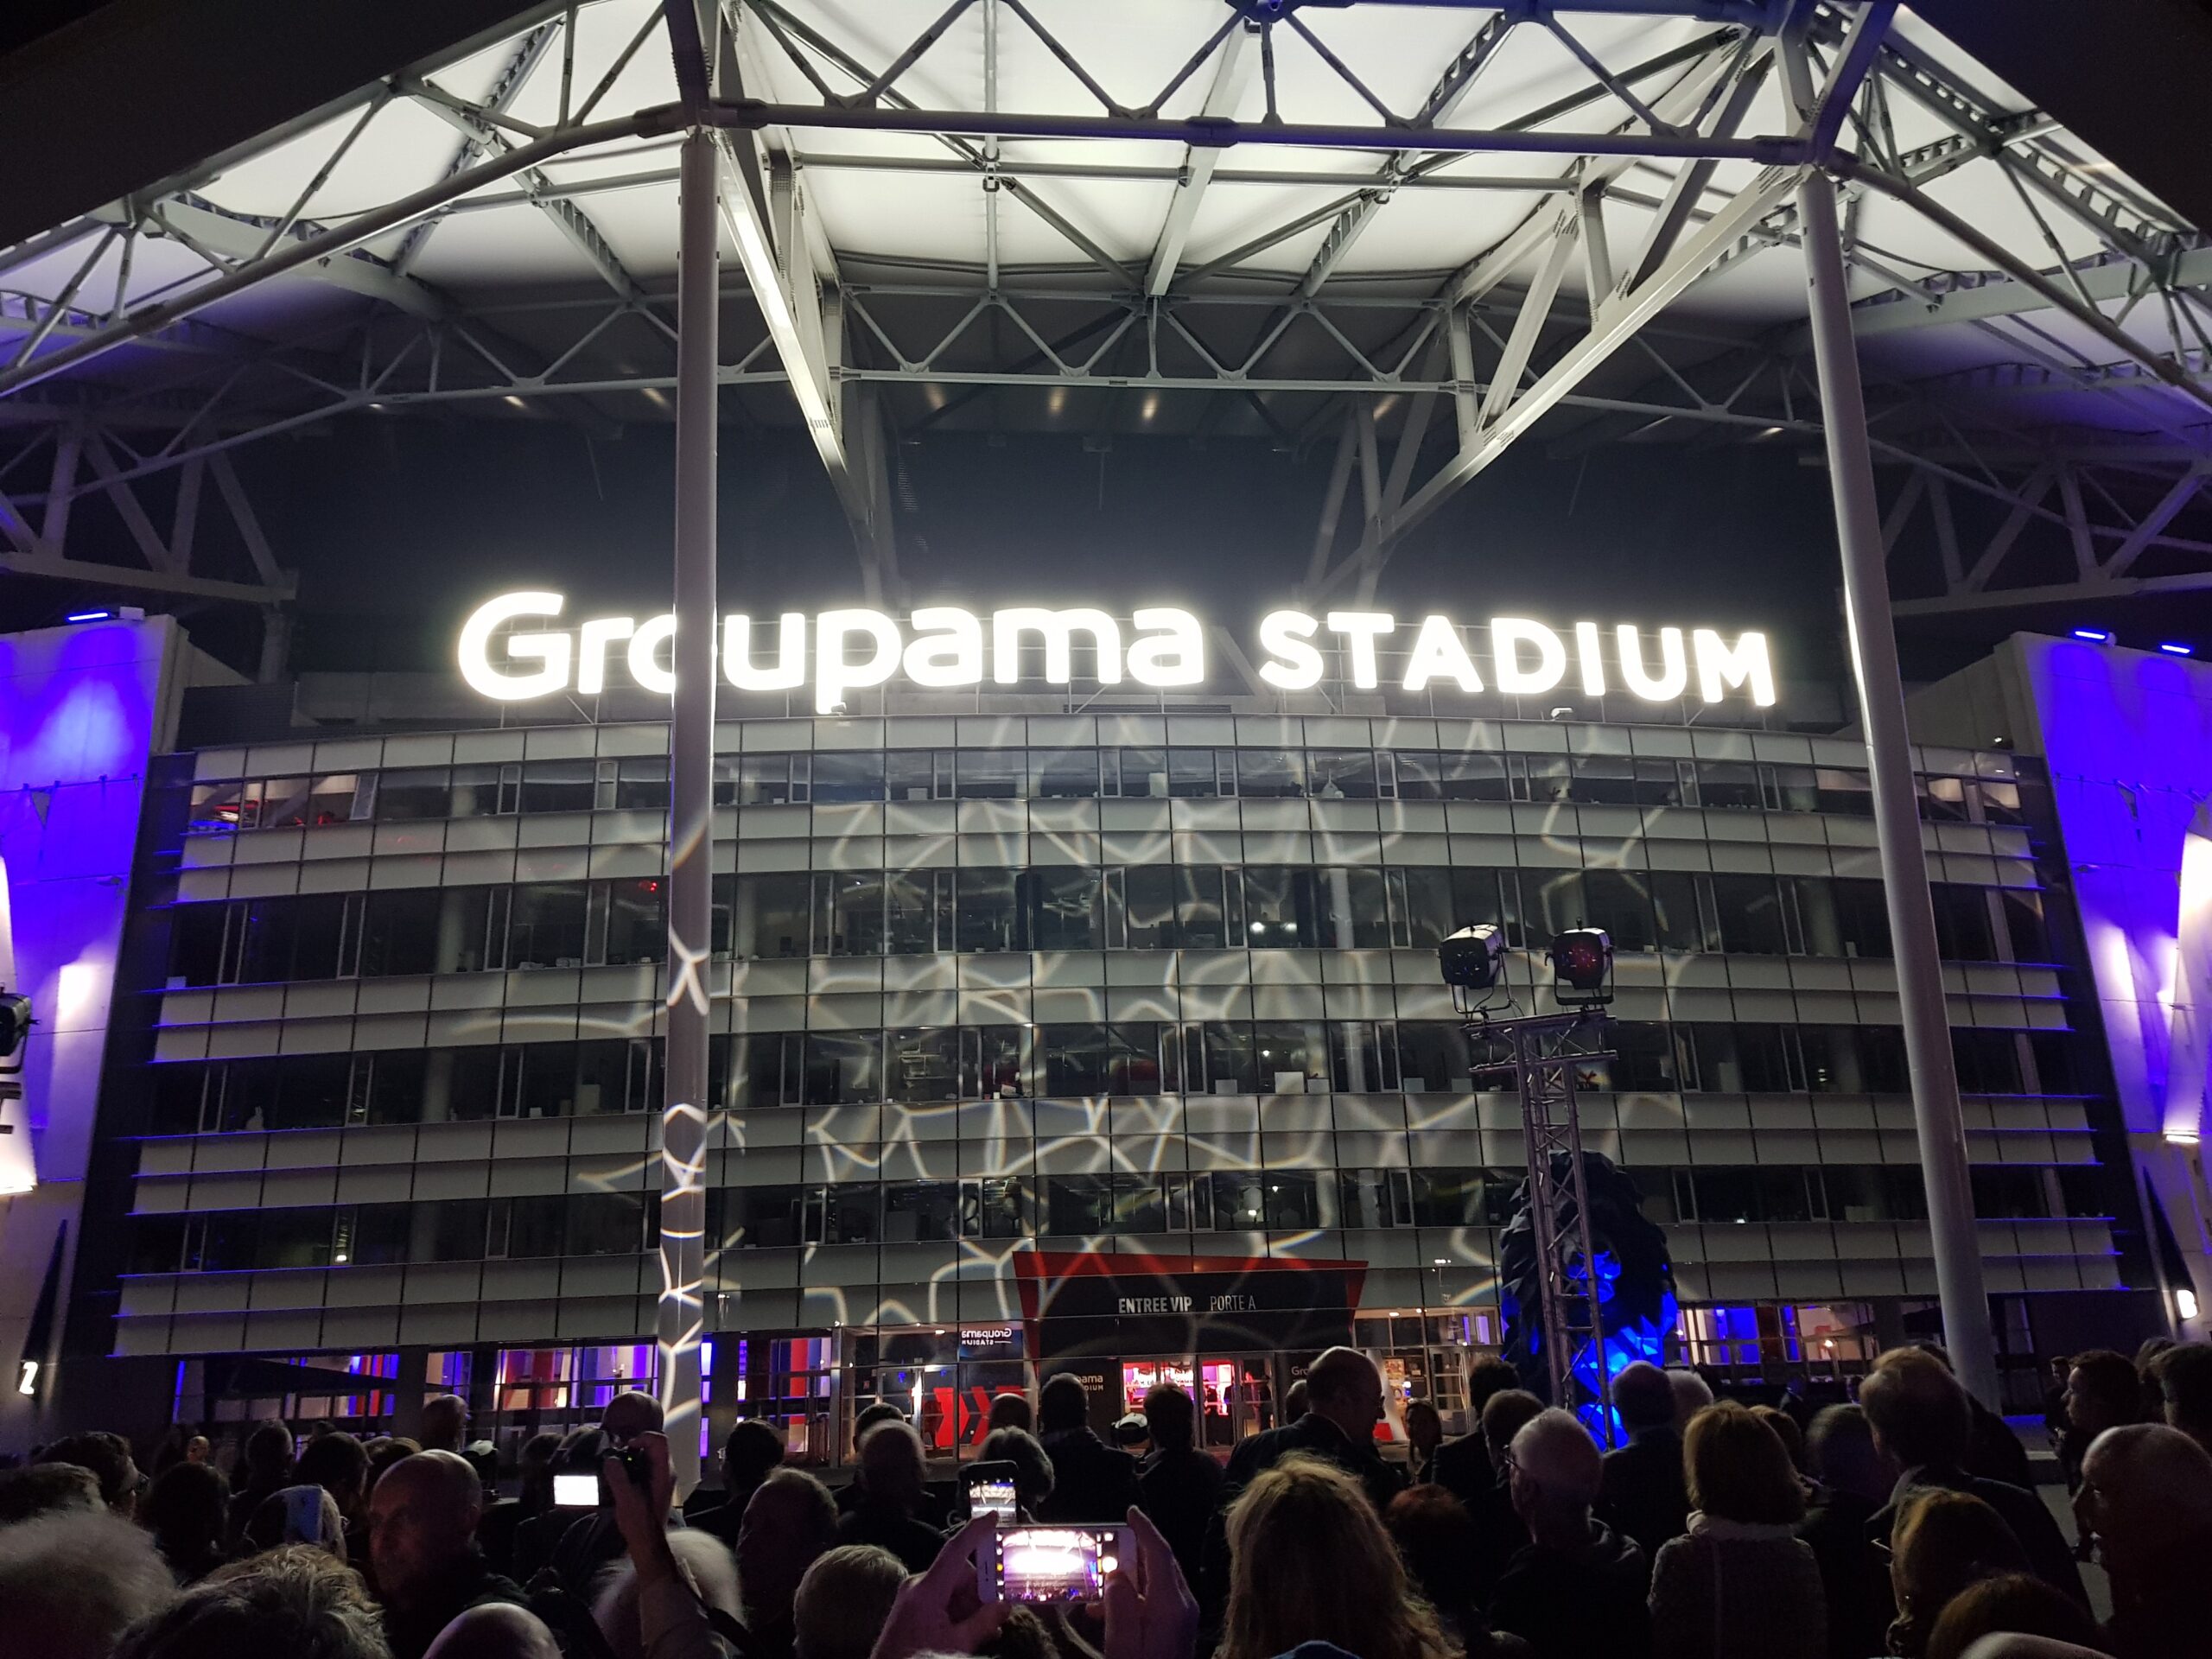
(1582, 968)
(1473, 959)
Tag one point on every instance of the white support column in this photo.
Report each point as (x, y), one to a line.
(1897, 814)
(684, 1105)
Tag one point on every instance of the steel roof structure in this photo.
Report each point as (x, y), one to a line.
(1403, 235)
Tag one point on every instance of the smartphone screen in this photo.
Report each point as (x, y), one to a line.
(1050, 1564)
(990, 1489)
(576, 1491)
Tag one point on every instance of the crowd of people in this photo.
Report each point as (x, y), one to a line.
(1905, 1523)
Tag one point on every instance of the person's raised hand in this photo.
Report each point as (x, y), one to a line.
(1150, 1612)
(641, 1511)
(939, 1610)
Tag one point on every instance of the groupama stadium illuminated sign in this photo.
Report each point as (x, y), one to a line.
(513, 648)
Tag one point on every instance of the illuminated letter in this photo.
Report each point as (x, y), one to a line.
(645, 655)
(1743, 663)
(1593, 668)
(1176, 656)
(790, 671)
(1285, 634)
(1437, 650)
(1360, 630)
(952, 652)
(1507, 635)
(550, 649)
(593, 640)
(833, 675)
(1673, 669)
(1058, 629)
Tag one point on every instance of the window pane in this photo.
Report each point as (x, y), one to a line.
(602, 1073)
(558, 786)
(1448, 1198)
(992, 774)
(1067, 912)
(1064, 774)
(923, 1065)
(1962, 929)
(548, 1078)
(917, 919)
(606, 1223)
(1475, 778)
(1620, 903)
(1290, 1056)
(312, 1092)
(475, 791)
(1279, 906)
(1420, 775)
(1229, 1067)
(637, 921)
(406, 794)
(397, 1079)
(1728, 784)
(768, 1216)
(1078, 1205)
(1277, 773)
(1195, 773)
(1151, 891)
(1200, 921)
(293, 1238)
(1750, 910)
(1430, 909)
(913, 774)
(843, 1068)
(986, 910)
(1341, 774)
(399, 931)
(768, 916)
(536, 1226)
(848, 913)
(641, 783)
(1354, 910)
(1605, 778)
(1144, 773)
(848, 775)
(764, 780)
(916, 1211)
(546, 926)
(1432, 1056)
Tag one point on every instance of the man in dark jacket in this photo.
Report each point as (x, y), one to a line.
(751, 1454)
(1343, 1393)
(1092, 1482)
(2146, 1497)
(1577, 1588)
(1854, 1485)
(422, 1518)
(1178, 1485)
(1924, 1424)
(1644, 1493)
(1463, 1467)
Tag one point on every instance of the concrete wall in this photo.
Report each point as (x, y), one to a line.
(81, 709)
(2127, 738)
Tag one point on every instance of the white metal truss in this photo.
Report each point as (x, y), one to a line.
(2065, 460)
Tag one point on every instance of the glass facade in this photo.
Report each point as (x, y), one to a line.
(1110, 988)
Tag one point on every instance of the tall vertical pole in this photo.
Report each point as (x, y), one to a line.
(690, 797)
(1897, 814)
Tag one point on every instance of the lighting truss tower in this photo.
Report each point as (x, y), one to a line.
(1543, 1052)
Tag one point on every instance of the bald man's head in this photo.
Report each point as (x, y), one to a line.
(422, 1518)
(2144, 1486)
(1344, 1387)
(629, 1414)
(1556, 1472)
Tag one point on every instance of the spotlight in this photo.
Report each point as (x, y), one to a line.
(88, 616)
(1473, 959)
(1582, 968)
(2185, 1302)
(2094, 636)
(2174, 648)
